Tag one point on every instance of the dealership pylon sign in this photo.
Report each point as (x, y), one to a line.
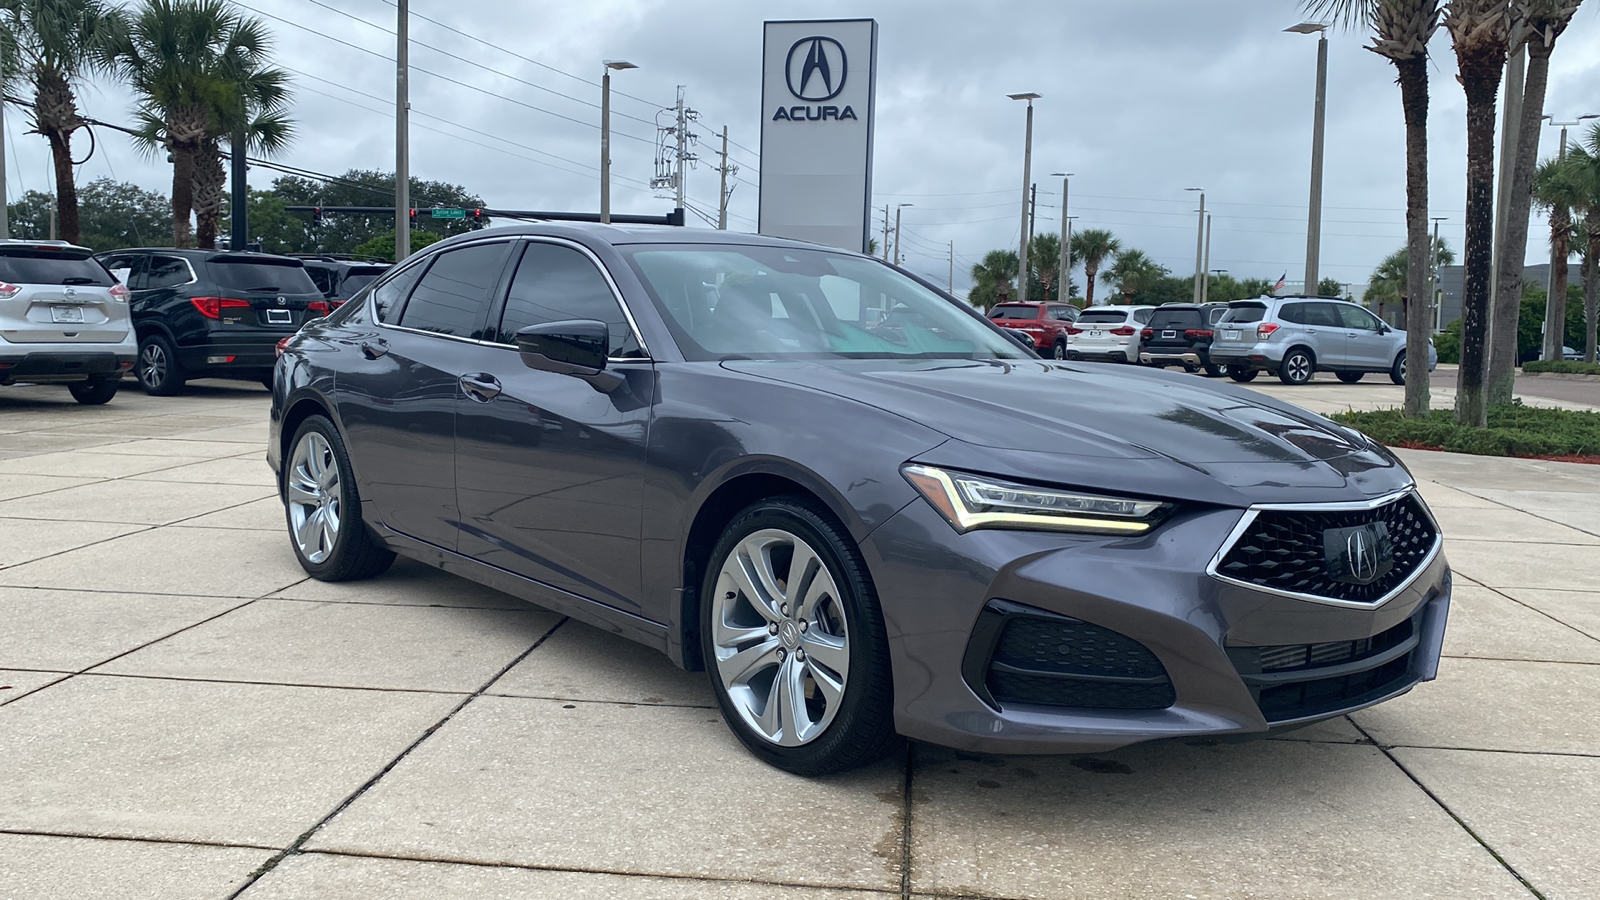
(818, 80)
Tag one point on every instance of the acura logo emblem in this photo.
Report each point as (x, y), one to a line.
(1362, 552)
(816, 69)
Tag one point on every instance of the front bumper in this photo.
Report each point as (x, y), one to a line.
(937, 587)
(64, 366)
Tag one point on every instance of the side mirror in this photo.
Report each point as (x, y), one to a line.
(577, 347)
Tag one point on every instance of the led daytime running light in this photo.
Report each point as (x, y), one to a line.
(973, 501)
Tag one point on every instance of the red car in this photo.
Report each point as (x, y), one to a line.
(1046, 323)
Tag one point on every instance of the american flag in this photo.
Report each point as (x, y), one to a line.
(1281, 281)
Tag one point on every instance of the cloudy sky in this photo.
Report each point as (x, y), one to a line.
(1141, 98)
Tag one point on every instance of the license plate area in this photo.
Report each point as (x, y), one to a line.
(1230, 335)
(1169, 334)
(280, 317)
(1095, 333)
(66, 314)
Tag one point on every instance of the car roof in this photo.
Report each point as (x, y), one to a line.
(644, 234)
(52, 245)
(203, 255)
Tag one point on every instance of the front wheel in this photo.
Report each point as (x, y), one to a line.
(323, 510)
(95, 391)
(1297, 368)
(793, 640)
(1243, 374)
(1397, 372)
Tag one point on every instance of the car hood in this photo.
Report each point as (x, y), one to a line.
(1033, 418)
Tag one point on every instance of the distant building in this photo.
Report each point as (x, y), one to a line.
(1450, 278)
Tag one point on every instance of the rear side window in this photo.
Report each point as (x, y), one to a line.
(453, 296)
(262, 278)
(1014, 312)
(48, 265)
(1246, 312)
(1103, 315)
(1061, 313)
(1176, 318)
(1142, 315)
(166, 272)
(359, 277)
(320, 277)
(390, 296)
(555, 284)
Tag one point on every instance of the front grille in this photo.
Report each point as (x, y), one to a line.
(1298, 681)
(1022, 655)
(1285, 550)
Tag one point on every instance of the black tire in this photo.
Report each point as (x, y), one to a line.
(1060, 350)
(1213, 370)
(1349, 377)
(861, 731)
(1243, 374)
(1190, 368)
(355, 552)
(157, 367)
(1397, 372)
(94, 391)
(1297, 367)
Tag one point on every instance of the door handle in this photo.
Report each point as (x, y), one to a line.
(480, 387)
(374, 348)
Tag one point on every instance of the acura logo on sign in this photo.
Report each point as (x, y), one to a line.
(816, 69)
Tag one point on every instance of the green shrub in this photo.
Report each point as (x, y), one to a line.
(1564, 366)
(1448, 343)
(1514, 430)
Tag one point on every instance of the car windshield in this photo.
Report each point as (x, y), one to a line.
(753, 302)
(1014, 312)
(254, 275)
(1245, 312)
(1102, 315)
(49, 265)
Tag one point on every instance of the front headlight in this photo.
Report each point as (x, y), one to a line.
(970, 501)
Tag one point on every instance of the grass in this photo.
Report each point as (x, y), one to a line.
(1514, 430)
(1563, 366)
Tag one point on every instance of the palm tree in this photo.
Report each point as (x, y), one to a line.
(991, 278)
(1131, 272)
(253, 120)
(1537, 23)
(1256, 287)
(1583, 161)
(1092, 246)
(50, 46)
(199, 69)
(1480, 31)
(1557, 189)
(1401, 30)
(1044, 258)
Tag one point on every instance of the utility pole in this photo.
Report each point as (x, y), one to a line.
(683, 144)
(239, 230)
(898, 256)
(605, 134)
(1433, 274)
(724, 195)
(1027, 181)
(1199, 243)
(1064, 264)
(885, 247)
(1205, 280)
(5, 218)
(402, 137)
(952, 285)
(671, 173)
(1314, 219)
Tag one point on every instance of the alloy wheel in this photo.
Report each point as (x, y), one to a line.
(781, 642)
(152, 365)
(314, 497)
(1299, 366)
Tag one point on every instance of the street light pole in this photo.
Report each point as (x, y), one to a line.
(1433, 275)
(1063, 265)
(1554, 339)
(1027, 164)
(899, 257)
(402, 137)
(1199, 244)
(1314, 216)
(605, 135)
(1205, 279)
(5, 220)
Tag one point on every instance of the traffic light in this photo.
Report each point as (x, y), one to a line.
(316, 217)
(413, 218)
(478, 216)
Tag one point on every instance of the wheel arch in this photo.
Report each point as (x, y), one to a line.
(299, 410)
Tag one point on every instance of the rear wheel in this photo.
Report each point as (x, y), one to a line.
(1190, 368)
(1213, 370)
(157, 369)
(1243, 374)
(1349, 377)
(1297, 367)
(1060, 351)
(94, 391)
(323, 511)
(793, 640)
(1397, 372)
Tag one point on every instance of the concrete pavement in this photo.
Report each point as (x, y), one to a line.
(184, 714)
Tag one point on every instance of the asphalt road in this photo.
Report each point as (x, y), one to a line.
(1559, 389)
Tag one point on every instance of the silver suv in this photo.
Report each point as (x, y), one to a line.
(63, 320)
(1295, 337)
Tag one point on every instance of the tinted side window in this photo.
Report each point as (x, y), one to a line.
(1293, 312)
(452, 297)
(166, 272)
(1142, 315)
(126, 267)
(554, 284)
(1061, 313)
(321, 277)
(391, 295)
(1355, 317)
(1325, 315)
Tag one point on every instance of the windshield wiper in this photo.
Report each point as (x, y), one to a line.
(79, 279)
(270, 288)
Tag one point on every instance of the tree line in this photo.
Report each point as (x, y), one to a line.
(201, 74)
(1128, 273)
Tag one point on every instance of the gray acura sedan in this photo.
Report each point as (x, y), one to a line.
(865, 511)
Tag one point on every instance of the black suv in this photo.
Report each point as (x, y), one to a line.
(212, 313)
(341, 277)
(1179, 334)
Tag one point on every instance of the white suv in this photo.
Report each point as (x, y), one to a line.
(1108, 333)
(63, 320)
